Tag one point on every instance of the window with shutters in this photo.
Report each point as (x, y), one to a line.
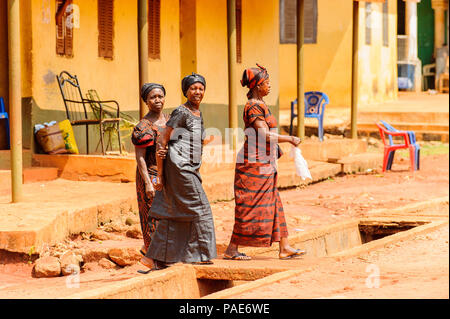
(64, 28)
(288, 21)
(386, 24)
(106, 28)
(239, 31)
(368, 29)
(154, 29)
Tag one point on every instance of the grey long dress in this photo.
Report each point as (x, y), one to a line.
(185, 231)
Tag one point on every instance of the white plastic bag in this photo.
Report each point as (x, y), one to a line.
(301, 166)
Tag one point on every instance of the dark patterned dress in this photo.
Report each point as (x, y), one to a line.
(144, 136)
(259, 215)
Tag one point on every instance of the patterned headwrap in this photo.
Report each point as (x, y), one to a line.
(254, 76)
(188, 80)
(148, 87)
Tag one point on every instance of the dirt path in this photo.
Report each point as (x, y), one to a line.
(306, 208)
(417, 268)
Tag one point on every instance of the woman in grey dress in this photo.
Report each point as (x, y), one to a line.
(185, 231)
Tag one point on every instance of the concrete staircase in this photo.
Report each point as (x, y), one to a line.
(428, 126)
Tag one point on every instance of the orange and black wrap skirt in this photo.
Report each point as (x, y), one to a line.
(259, 214)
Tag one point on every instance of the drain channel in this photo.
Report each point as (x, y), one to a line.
(374, 230)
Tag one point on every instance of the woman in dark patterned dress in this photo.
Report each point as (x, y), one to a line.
(185, 231)
(144, 139)
(259, 215)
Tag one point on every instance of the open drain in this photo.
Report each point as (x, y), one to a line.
(374, 230)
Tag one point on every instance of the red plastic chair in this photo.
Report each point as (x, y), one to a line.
(388, 148)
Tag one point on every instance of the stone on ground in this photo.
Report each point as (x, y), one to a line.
(124, 256)
(47, 266)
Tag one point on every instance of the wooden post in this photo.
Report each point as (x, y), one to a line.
(15, 99)
(143, 50)
(354, 107)
(232, 56)
(300, 73)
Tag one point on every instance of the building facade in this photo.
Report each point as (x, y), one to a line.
(97, 40)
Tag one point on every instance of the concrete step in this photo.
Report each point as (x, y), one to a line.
(5, 159)
(416, 127)
(441, 136)
(30, 175)
(405, 117)
(216, 158)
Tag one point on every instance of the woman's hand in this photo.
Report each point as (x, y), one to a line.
(295, 140)
(159, 183)
(149, 191)
(162, 153)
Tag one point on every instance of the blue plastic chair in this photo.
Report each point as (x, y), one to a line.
(315, 102)
(412, 141)
(4, 116)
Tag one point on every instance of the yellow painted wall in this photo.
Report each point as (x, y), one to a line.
(3, 50)
(328, 63)
(212, 60)
(167, 70)
(188, 40)
(260, 38)
(378, 63)
(113, 79)
(259, 42)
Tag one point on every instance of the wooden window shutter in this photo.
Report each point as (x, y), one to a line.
(239, 31)
(385, 24)
(64, 31)
(310, 19)
(68, 39)
(288, 21)
(106, 28)
(60, 32)
(154, 29)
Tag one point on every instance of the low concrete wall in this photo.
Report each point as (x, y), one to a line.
(177, 282)
(62, 224)
(322, 241)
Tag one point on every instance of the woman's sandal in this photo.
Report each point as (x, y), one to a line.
(296, 253)
(147, 262)
(237, 256)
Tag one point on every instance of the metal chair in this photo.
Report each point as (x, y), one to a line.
(315, 103)
(4, 116)
(76, 110)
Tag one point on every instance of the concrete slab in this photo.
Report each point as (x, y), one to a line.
(53, 210)
(30, 175)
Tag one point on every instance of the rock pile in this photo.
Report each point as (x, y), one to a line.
(74, 256)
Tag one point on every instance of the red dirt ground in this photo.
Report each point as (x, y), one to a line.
(413, 269)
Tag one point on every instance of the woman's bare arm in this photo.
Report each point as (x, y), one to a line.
(142, 168)
(161, 150)
(261, 127)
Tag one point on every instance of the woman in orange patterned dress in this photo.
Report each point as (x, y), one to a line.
(144, 139)
(259, 215)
